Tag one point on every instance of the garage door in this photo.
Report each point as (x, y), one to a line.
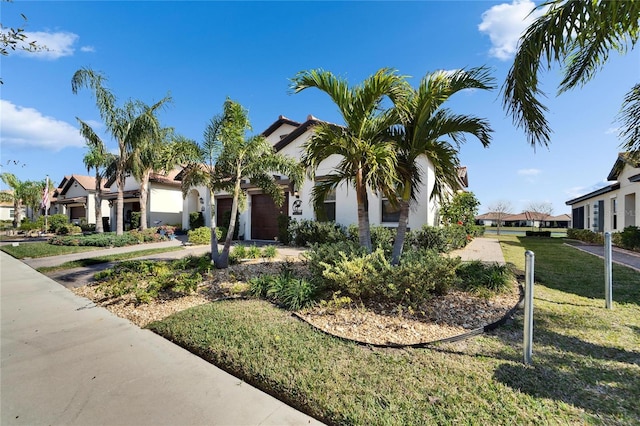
(264, 216)
(78, 213)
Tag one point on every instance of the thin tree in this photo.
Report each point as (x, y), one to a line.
(501, 209)
(424, 122)
(540, 211)
(367, 152)
(128, 125)
(578, 35)
(98, 158)
(22, 194)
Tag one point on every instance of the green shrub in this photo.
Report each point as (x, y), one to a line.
(200, 235)
(196, 220)
(283, 229)
(298, 293)
(221, 233)
(442, 240)
(305, 232)
(226, 223)
(381, 236)
(630, 238)
(480, 278)
(269, 252)
(149, 235)
(239, 252)
(253, 252)
(68, 228)
(360, 276)
(585, 235)
(56, 220)
(29, 225)
(107, 239)
(286, 289)
(258, 286)
(421, 274)
(330, 254)
(135, 220)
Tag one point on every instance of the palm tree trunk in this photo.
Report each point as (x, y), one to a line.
(401, 232)
(17, 206)
(97, 198)
(120, 203)
(223, 261)
(364, 229)
(144, 195)
(215, 255)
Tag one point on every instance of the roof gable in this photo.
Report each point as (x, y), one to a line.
(624, 159)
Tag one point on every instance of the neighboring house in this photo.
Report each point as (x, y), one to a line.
(260, 220)
(613, 207)
(164, 199)
(491, 219)
(7, 209)
(524, 219)
(75, 198)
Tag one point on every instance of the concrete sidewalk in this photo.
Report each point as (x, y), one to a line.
(483, 249)
(64, 361)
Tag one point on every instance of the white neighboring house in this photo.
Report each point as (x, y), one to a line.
(164, 199)
(7, 209)
(260, 220)
(613, 207)
(75, 198)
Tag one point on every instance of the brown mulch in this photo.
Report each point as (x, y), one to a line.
(377, 323)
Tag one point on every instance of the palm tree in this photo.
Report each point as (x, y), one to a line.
(579, 35)
(424, 121)
(22, 193)
(128, 125)
(234, 158)
(367, 152)
(99, 159)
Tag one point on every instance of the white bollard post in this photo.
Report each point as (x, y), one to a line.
(528, 305)
(608, 272)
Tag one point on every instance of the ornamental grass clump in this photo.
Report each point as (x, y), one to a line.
(285, 289)
(484, 279)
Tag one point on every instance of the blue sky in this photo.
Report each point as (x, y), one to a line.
(202, 52)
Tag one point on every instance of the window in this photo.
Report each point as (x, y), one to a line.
(389, 213)
(329, 212)
(614, 213)
(11, 212)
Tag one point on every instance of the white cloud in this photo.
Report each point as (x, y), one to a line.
(88, 49)
(612, 130)
(505, 23)
(56, 44)
(28, 128)
(578, 191)
(529, 172)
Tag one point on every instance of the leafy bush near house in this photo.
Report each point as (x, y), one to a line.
(291, 292)
(201, 235)
(305, 233)
(68, 229)
(29, 225)
(480, 278)
(283, 229)
(149, 235)
(56, 220)
(135, 220)
(381, 236)
(196, 220)
(585, 235)
(630, 238)
(442, 240)
(269, 252)
(330, 254)
(422, 274)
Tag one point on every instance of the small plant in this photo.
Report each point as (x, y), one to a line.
(269, 252)
(253, 252)
(200, 236)
(239, 252)
(258, 286)
(485, 279)
(196, 220)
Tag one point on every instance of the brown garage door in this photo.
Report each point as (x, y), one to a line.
(78, 213)
(264, 216)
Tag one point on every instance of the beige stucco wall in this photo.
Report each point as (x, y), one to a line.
(165, 204)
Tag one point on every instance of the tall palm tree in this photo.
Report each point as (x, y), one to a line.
(98, 158)
(128, 125)
(236, 157)
(22, 194)
(424, 122)
(368, 155)
(579, 35)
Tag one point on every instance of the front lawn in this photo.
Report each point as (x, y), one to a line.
(42, 249)
(586, 359)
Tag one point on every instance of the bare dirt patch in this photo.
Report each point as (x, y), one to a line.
(377, 323)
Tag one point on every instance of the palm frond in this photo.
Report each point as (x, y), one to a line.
(630, 120)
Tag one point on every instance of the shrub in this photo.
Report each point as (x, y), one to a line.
(269, 252)
(56, 220)
(200, 235)
(68, 228)
(381, 236)
(286, 289)
(477, 277)
(135, 220)
(226, 223)
(96, 240)
(253, 252)
(421, 274)
(442, 240)
(309, 232)
(196, 220)
(630, 238)
(585, 235)
(29, 225)
(329, 254)
(239, 252)
(283, 229)
(359, 276)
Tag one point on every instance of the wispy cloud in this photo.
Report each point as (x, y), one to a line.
(612, 131)
(90, 49)
(55, 44)
(578, 191)
(529, 172)
(28, 128)
(505, 23)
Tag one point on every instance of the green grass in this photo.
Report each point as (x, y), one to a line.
(105, 259)
(42, 249)
(586, 359)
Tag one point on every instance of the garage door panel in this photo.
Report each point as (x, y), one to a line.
(264, 216)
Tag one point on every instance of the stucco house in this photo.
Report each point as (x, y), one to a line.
(260, 220)
(164, 199)
(613, 207)
(75, 197)
(7, 209)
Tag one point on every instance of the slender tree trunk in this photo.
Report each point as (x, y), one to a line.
(215, 255)
(120, 203)
(223, 261)
(401, 232)
(364, 229)
(144, 195)
(98, 200)
(17, 213)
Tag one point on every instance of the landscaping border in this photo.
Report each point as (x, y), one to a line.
(475, 332)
